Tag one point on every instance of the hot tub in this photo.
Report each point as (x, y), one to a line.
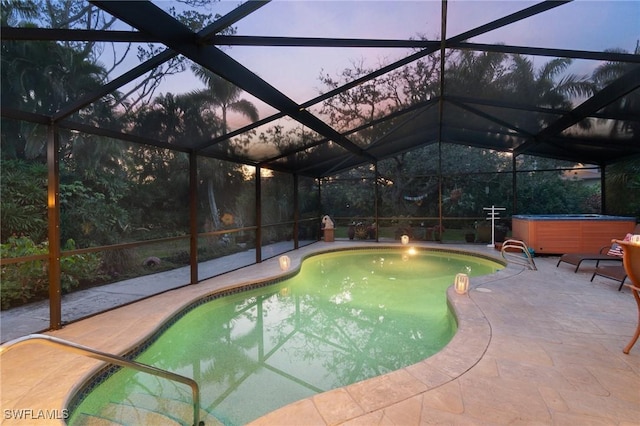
(570, 233)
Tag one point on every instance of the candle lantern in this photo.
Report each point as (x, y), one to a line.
(285, 263)
(404, 240)
(461, 283)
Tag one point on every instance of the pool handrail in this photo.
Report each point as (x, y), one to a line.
(111, 359)
(511, 244)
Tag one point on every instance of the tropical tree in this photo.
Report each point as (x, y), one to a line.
(225, 96)
(220, 93)
(174, 118)
(362, 104)
(42, 77)
(622, 179)
(23, 193)
(369, 101)
(409, 182)
(623, 187)
(476, 74)
(604, 75)
(548, 86)
(160, 177)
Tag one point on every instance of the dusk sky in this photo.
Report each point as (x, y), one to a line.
(581, 25)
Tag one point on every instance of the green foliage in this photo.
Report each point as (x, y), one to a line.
(547, 193)
(23, 199)
(465, 179)
(22, 282)
(350, 195)
(623, 188)
(88, 216)
(29, 281)
(79, 268)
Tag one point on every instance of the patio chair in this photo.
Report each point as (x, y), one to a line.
(606, 253)
(613, 272)
(631, 262)
(577, 258)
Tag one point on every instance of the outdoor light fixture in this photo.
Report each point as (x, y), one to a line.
(285, 263)
(404, 240)
(461, 283)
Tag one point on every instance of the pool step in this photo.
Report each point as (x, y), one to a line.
(143, 409)
(90, 420)
(178, 409)
(130, 414)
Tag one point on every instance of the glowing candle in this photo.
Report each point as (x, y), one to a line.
(461, 283)
(285, 263)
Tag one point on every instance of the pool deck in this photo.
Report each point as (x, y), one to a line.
(533, 347)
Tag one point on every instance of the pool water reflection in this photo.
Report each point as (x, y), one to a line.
(345, 317)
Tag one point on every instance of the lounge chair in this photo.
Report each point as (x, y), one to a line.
(613, 272)
(577, 258)
(606, 253)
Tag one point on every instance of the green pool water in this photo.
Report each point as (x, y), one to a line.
(345, 317)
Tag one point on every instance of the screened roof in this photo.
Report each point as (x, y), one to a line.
(339, 84)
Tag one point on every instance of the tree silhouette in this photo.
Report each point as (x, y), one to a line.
(223, 95)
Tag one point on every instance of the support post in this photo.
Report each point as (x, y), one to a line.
(53, 218)
(376, 202)
(603, 189)
(319, 208)
(193, 216)
(514, 183)
(296, 213)
(258, 216)
(443, 46)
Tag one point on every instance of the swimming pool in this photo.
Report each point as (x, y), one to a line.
(345, 317)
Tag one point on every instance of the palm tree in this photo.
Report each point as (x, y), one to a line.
(541, 87)
(173, 118)
(42, 76)
(12, 11)
(475, 74)
(224, 95)
(623, 178)
(604, 75)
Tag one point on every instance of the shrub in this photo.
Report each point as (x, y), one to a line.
(29, 281)
(23, 199)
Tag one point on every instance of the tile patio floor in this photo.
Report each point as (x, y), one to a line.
(534, 348)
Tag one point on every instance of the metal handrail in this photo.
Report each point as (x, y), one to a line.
(109, 358)
(518, 245)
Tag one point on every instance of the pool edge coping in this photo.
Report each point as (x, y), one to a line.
(455, 355)
(461, 354)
